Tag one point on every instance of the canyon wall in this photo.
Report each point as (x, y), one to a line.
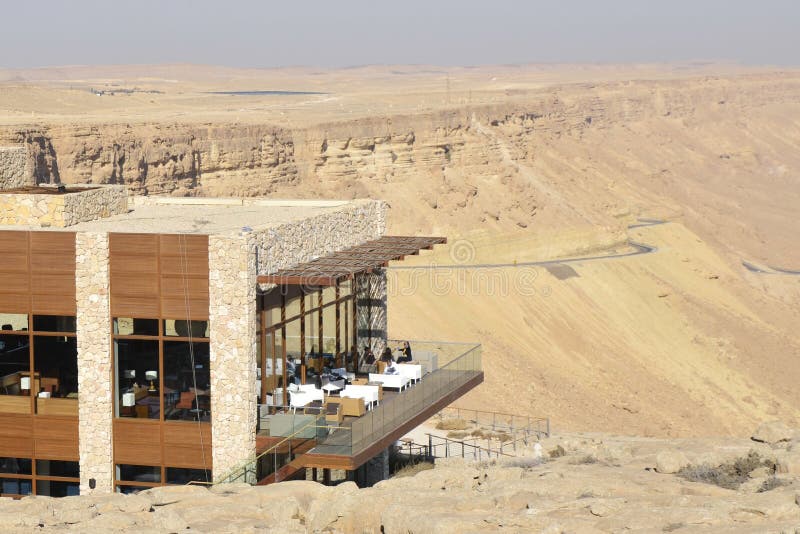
(431, 161)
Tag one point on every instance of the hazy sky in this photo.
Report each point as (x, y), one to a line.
(351, 32)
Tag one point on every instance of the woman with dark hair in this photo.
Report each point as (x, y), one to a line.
(405, 352)
(386, 355)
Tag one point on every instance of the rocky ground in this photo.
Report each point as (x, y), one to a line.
(570, 483)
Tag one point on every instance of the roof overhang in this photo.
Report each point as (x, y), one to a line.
(345, 264)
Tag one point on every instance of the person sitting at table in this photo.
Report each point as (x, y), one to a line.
(369, 357)
(391, 368)
(386, 355)
(405, 352)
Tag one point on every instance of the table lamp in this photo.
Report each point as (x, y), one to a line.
(151, 376)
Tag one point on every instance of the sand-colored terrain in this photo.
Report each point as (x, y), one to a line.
(514, 165)
(573, 483)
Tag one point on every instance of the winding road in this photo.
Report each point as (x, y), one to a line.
(639, 249)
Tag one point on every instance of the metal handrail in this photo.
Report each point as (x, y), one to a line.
(463, 444)
(254, 460)
(502, 415)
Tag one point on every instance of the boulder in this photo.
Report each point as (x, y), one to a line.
(670, 462)
(789, 462)
(773, 432)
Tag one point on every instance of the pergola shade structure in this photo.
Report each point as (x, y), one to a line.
(345, 264)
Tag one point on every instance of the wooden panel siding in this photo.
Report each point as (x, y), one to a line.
(16, 436)
(56, 438)
(137, 442)
(14, 272)
(52, 267)
(187, 445)
(156, 275)
(38, 272)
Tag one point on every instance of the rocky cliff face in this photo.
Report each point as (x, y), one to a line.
(447, 161)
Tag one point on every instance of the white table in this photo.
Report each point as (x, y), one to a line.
(390, 381)
(410, 370)
(370, 394)
(298, 399)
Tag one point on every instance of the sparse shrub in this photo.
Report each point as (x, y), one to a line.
(771, 483)
(525, 462)
(502, 437)
(673, 526)
(586, 495)
(729, 475)
(452, 424)
(457, 434)
(478, 433)
(585, 460)
(558, 452)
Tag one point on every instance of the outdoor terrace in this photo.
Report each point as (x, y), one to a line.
(297, 438)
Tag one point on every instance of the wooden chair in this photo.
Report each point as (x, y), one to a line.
(333, 412)
(353, 407)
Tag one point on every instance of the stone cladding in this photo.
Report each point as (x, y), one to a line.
(14, 168)
(62, 210)
(95, 404)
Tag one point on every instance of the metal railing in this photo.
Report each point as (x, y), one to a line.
(462, 363)
(276, 456)
(498, 421)
(456, 448)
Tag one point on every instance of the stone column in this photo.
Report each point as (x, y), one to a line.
(371, 321)
(232, 324)
(95, 405)
(376, 468)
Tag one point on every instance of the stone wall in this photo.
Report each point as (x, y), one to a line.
(297, 242)
(62, 210)
(95, 404)
(14, 170)
(232, 324)
(95, 203)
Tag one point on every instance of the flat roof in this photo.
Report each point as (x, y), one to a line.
(204, 216)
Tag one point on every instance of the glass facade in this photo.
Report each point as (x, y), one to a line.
(162, 374)
(51, 478)
(304, 332)
(39, 367)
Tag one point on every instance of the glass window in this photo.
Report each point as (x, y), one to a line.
(328, 294)
(15, 376)
(15, 466)
(55, 468)
(292, 306)
(345, 288)
(312, 299)
(138, 473)
(329, 330)
(271, 305)
(14, 321)
(56, 367)
(53, 323)
(130, 490)
(187, 381)
(54, 488)
(293, 340)
(126, 326)
(137, 382)
(177, 475)
(16, 486)
(183, 328)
